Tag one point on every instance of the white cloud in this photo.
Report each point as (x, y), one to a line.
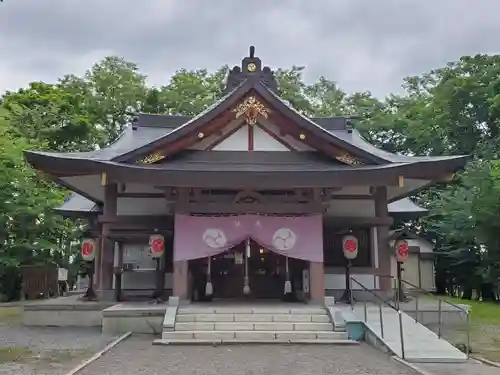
(363, 44)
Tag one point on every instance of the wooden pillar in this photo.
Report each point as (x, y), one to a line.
(107, 245)
(181, 280)
(384, 253)
(317, 281)
(97, 260)
(118, 271)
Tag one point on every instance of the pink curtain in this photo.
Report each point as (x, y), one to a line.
(202, 236)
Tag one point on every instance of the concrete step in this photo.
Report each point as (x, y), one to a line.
(263, 317)
(235, 341)
(253, 326)
(252, 310)
(248, 336)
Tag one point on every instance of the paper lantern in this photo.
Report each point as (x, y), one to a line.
(157, 243)
(401, 247)
(89, 247)
(350, 246)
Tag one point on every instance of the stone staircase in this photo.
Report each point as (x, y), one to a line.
(250, 324)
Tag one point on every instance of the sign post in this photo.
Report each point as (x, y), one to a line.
(350, 250)
(157, 243)
(89, 248)
(401, 248)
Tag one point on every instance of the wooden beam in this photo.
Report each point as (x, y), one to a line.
(247, 208)
(351, 196)
(250, 137)
(357, 221)
(128, 222)
(223, 137)
(142, 195)
(208, 129)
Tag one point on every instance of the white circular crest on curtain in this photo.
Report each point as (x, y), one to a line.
(214, 238)
(284, 239)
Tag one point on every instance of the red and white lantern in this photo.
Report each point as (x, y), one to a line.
(157, 243)
(89, 248)
(401, 247)
(350, 246)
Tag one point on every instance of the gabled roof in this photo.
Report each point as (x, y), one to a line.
(251, 85)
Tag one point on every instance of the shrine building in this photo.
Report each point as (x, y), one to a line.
(250, 197)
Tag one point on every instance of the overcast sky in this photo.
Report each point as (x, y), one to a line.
(361, 44)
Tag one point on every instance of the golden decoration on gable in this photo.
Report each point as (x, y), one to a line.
(251, 108)
(152, 158)
(348, 159)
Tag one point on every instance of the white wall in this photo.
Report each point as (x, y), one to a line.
(295, 143)
(264, 142)
(351, 207)
(237, 141)
(132, 187)
(142, 206)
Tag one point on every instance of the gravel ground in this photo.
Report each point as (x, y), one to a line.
(47, 350)
(136, 355)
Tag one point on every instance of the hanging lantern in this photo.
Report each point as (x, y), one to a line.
(401, 247)
(89, 247)
(350, 246)
(157, 243)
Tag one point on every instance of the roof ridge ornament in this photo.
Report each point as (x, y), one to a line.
(251, 68)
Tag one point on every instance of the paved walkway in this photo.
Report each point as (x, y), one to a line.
(420, 343)
(472, 367)
(136, 355)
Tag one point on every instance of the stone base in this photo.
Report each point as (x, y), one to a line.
(64, 312)
(106, 295)
(134, 317)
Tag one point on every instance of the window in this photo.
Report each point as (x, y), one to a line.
(332, 247)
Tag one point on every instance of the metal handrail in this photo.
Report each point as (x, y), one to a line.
(384, 302)
(434, 296)
(440, 312)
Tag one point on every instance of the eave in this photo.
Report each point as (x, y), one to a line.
(246, 173)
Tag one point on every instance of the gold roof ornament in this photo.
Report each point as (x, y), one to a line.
(251, 108)
(348, 159)
(152, 158)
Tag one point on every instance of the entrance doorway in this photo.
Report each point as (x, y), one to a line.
(266, 273)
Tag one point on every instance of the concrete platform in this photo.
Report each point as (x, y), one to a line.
(136, 317)
(67, 311)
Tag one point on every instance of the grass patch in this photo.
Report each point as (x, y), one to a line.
(481, 312)
(10, 314)
(485, 328)
(8, 354)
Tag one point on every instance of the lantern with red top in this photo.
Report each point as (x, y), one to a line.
(88, 251)
(401, 250)
(89, 247)
(157, 245)
(401, 253)
(350, 250)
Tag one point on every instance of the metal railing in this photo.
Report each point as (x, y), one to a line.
(440, 312)
(381, 302)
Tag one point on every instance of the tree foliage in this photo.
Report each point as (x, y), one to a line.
(451, 110)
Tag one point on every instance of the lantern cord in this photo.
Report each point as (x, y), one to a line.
(209, 289)
(246, 284)
(288, 284)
